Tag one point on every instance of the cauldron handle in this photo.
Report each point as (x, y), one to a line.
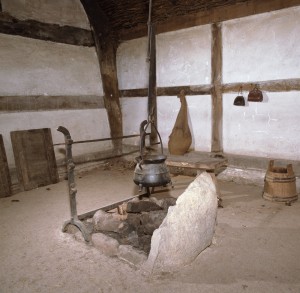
(143, 127)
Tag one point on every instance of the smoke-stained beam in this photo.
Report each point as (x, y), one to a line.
(44, 31)
(106, 46)
(49, 103)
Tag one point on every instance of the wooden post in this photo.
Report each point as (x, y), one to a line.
(106, 47)
(152, 103)
(216, 95)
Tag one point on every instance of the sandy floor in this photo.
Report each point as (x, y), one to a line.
(256, 244)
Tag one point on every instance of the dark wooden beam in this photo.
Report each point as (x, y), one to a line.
(106, 47)
(43, 31)
(216, 79)
(210, 16)
(280, 85)
(168, 91)
(49, 103)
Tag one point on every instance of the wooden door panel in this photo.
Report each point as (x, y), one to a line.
(34, 156)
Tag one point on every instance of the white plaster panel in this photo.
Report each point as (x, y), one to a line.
(199, 116)
(184, 57)
(34, 67)
(132, 65)
(268, 129)
(82, 124)
(134, 111)
(262, 47)
(63, 12)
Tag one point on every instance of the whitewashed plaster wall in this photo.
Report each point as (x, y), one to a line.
(132, 65)
(134, 111)
(63, 12)
(33, 67)
(183, 58)
(263, 47)
(269, 129)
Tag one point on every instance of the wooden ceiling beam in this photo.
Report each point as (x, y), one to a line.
(210, 16)
(45, 31)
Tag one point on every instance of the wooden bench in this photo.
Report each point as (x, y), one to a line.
(201, 164)
(210, 165)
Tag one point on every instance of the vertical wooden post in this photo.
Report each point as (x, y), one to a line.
(152, 101)
(216, 80)
(106, 47)
(5, 186)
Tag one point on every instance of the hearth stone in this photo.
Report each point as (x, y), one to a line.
(110, 222)
(187, 229)
(108, 245)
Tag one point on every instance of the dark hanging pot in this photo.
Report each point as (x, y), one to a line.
(239, 100)
(255, 95)
(151, 170)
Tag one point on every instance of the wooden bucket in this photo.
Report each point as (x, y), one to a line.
(280, 184)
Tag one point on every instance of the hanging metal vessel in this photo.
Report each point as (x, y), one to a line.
(255, 95)
(151, 170)
(239, 100)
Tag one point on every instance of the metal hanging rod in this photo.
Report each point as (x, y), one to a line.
(101, 139)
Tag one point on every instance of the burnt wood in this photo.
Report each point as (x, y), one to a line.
(5, 180)
(106, 46)
(216, 79)
(43, 31)
(48, 103)
(34, 157)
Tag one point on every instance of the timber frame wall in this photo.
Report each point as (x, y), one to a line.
(215, 17)
(217, 88)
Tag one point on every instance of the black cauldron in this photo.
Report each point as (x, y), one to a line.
(150, 170)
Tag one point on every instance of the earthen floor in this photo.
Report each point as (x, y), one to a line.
(255, 247)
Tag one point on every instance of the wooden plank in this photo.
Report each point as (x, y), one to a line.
(34, 157)
(208, 164)
(5, 180)
(44, 31)
(48, 103)
(216, 79)
(209, 16)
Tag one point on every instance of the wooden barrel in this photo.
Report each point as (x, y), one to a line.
(280, 184)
